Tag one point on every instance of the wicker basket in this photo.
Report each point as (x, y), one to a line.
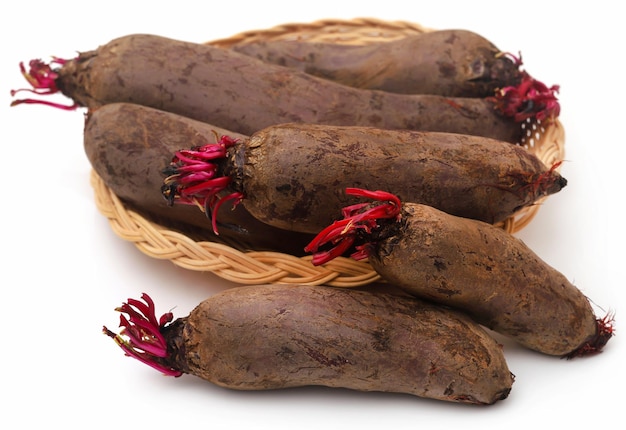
(273, 267)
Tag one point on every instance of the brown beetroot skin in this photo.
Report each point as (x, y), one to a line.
(243, 94)
(454, 63)
(129, 145)
(293, 176)
(488, 273)
(279, 336)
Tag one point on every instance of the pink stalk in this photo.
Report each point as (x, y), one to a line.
(193, 178)
(141, 336)
(42, 79)
(358, 218)
(529, 99)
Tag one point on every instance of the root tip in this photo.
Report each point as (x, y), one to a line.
(605, 330)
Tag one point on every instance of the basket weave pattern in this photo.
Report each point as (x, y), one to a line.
(358, 31)
(251, 267)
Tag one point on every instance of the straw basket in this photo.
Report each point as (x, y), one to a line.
(258, 267)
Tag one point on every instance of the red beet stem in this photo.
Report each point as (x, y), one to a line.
(42, 78)
(530, 99)
(141, 337)
(358, 218)
(193, 178)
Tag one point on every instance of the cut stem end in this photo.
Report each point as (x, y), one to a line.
(141, 337)
(193, 178)
(358, 219)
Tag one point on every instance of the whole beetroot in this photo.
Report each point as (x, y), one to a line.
(292, 176)
(128, 145)
(451, 62)
(278, 336)
(468, 265)
(243, 94)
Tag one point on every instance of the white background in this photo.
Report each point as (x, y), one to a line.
(64, 270)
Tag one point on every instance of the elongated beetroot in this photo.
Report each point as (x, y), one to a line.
(243, 94)
(278, 336)
(128, 145)
(468, 265)
(292, 176)
(451, 62)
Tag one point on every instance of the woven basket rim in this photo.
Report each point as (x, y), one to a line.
(335, 28)
(259, 267)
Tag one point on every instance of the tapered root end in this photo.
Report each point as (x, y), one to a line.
(501, 395)
(553, 183)
(604, 332)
